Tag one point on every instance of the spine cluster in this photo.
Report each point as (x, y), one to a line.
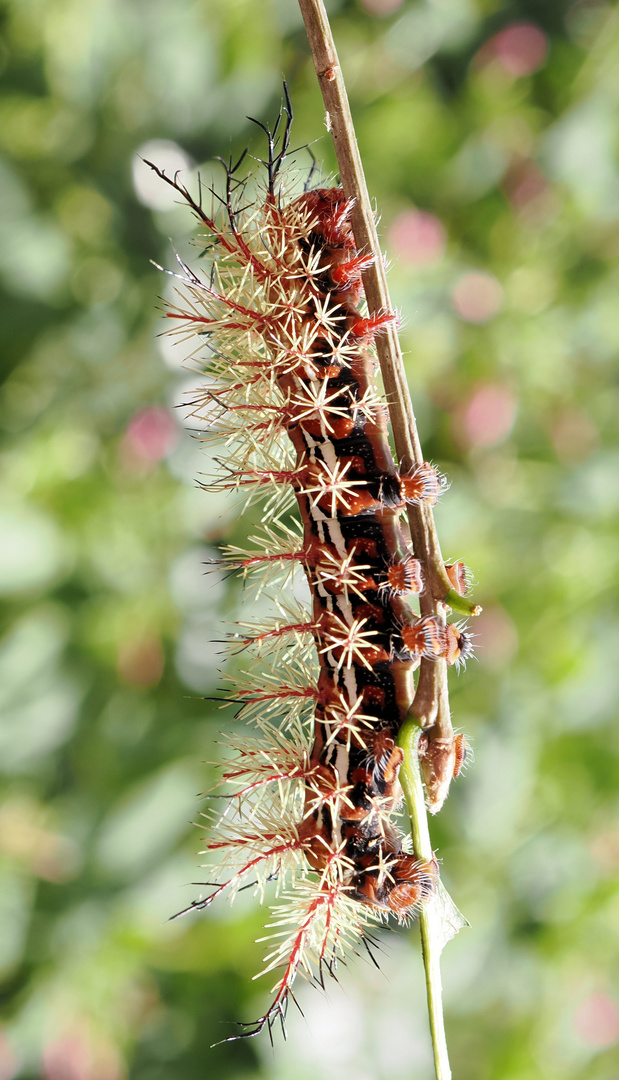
(289, 389)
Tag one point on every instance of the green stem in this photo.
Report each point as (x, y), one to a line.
(461, 604)
(410, 778)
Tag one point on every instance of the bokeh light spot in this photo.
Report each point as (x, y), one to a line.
(477, 296)
(520, 49)
(33, 552)
(489, 416)
(574, 435)
(26, 837)
(85, 213)
(150, 436)
(9, 1065)
(496, 638)
(605, 850)
(381, 7)
(79, 1054)
(150, 190)
(531, 289)
(418, 237)
(96, 281)
(525, 183)
(140, 662)
(597, 1021)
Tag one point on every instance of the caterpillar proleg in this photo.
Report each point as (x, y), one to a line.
(278, 329)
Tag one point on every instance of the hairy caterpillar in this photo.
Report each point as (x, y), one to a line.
(290, 391)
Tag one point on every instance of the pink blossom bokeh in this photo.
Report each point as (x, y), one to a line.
(418, 238)
(519, 49)
(597, 1021)
(477, 296)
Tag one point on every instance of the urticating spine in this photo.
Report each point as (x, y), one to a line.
(289, 388)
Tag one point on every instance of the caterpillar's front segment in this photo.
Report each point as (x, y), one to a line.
(290, 391)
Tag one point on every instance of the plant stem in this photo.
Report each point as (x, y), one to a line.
(430, 707)
(431, 704)
(410, 778)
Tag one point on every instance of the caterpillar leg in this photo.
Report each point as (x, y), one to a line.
(441, 760)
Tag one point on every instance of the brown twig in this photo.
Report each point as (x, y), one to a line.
(431, 703)
(430, 706)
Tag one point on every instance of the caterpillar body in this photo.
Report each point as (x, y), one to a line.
(290, 390)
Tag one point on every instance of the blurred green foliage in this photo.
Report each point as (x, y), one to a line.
(489, 134)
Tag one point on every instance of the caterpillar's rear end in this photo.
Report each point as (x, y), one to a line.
(291, 392)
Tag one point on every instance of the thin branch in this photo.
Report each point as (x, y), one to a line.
(431, 703)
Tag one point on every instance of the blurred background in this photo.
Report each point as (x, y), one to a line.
(490, 138)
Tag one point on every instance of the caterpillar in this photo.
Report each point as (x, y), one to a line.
(285, 349)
